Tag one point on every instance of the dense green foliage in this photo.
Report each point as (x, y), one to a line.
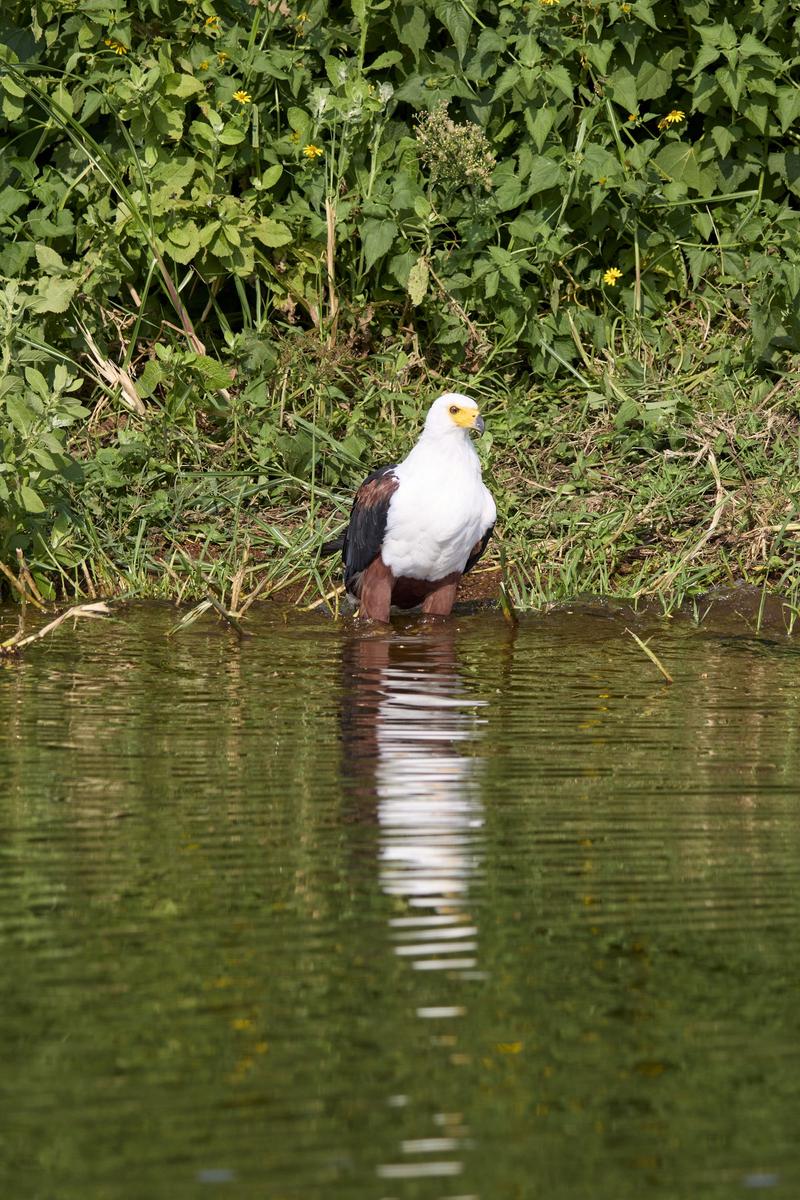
(240, 235)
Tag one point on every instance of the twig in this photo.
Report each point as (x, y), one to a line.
(33, 592)
(232, 620)
(12, 579)
(337, 591)
(16, 643)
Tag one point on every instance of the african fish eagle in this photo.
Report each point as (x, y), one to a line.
(416, 527)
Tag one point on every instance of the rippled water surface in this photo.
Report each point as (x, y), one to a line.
(448, 912)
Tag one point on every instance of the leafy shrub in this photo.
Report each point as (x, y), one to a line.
(36, 411)
(182, 180)
(270, 159)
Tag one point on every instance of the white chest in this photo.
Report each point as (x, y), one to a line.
(436, 516)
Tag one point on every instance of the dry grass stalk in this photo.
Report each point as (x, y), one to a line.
(330, 257)
(115, 376)
(204, 606)
(651, 655)
(665, 581)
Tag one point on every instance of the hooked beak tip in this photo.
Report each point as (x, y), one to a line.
(479, 425)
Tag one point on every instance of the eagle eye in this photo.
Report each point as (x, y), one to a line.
(453, 409)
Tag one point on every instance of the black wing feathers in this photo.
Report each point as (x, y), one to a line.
(368, 516)
(478, 549)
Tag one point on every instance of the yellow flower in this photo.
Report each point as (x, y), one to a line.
(302, 17)
(222, 57)
(203, 65)
(633, 116)
(242, 97)
(212, 22)
(548, 3)
(626, 8)
(611, 276)
(295, 136)
(114, 45)
(312, 151)
(672, 118)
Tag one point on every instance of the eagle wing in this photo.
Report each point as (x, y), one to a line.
(365, 533)
(478, 549)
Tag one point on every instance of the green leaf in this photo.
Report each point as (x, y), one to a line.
(508, 80)
(30, 499)
(377, 237)
(389, 58)
(706, 56)
(232, 134)
(560, 78)
(14, 258)
(213, 373)
(599, 54)
(22, 417)
(541, 125)
(37, 383)
(757, 112)
(60, 530)
(679, 162)
(183, 86)
(733, 84)
(652, 81)
(457, 22)
(299, 122)
(10, 200)
(270, 177)
(544, 173)
(271, 233)
(12, 108)
(414, 32)
(53, 295)
(169, 122)
(788, 106)
(622, 89)
(183, 242)
(599, 163)
(11, 86)
(418, 279)
(44, 459)
(152, 375)
(50, 261)
(723, 139)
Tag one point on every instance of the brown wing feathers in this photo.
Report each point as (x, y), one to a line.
(365, 533)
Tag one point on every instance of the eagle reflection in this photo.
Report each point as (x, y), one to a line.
(409, 725)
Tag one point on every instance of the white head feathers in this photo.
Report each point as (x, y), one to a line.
(452, 413)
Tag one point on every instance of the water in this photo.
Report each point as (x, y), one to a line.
(441, 914)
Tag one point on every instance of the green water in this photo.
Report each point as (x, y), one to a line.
(444, 913)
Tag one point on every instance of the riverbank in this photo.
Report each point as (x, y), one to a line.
(661, 474)
(251, 246)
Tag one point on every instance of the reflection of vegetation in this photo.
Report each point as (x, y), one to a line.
(241, 246)
(637, 957)
(198, 971)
